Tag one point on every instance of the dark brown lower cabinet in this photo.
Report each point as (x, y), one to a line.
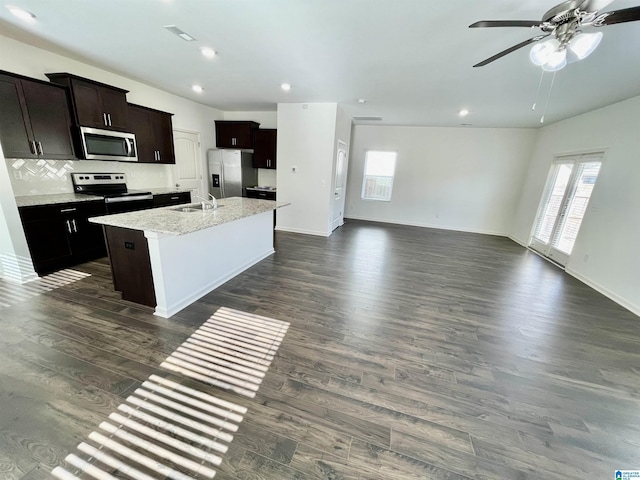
(61, 235)
(166, 199)
(130, 265)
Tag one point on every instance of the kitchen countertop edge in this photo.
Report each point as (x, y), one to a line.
(169, 221)
(55, 198)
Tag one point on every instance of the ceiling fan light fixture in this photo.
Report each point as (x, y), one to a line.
(583, 44)
(541, 52)
(557, 61)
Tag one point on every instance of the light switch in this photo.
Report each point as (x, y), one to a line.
(294, 169)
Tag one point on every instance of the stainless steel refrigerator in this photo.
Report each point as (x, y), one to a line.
(230, 172)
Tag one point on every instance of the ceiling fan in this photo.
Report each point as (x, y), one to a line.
(563, 22)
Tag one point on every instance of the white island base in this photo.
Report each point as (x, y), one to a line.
(186, 267)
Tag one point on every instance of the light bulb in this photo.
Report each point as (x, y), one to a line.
(22, 14)
(541, 52)
(557, 61)
(584, 44)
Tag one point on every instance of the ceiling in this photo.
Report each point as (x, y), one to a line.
(410, 59)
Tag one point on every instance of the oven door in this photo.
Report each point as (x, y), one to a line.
(107, 145)
(128, 203)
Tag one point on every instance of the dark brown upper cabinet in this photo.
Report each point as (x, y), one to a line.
(35, 119)
(95, 104)
(235, 134)
(264, 147)
(154, 134)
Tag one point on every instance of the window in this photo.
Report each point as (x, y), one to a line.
(379, 169)
(564, 204)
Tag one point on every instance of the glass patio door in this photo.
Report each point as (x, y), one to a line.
(564, 204)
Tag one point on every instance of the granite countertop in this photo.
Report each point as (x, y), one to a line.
(51, 199)
(171, 222)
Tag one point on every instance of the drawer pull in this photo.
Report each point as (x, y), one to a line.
(67, 210)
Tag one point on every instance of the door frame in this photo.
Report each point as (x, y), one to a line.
(561, 258)
(340, 145)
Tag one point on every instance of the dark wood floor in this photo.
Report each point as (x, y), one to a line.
(412, 353)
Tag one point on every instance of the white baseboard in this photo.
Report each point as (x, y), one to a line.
(176, 307)
(17, 269)
(635, 309)
(587, 281)
(305, 232)
(518, 241)
(427, 225)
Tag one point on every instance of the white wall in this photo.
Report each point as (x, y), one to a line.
(452, 178)
(606, 253)
(265, 119)
(306, 139)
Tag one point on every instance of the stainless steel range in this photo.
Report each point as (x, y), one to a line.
(113, 187)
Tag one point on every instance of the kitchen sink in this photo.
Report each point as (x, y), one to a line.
(193, 207)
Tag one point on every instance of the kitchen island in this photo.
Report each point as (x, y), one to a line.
(169, 257)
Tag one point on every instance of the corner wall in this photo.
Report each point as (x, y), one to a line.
(306, 137)
(606, 254)
(466, 179)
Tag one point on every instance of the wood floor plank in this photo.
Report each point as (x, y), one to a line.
(412, 353)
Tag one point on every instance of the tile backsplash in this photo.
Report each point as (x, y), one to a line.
(41, 177)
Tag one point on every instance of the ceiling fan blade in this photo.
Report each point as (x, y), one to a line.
(594, 5)
(618, 16)
(505, 23)
(509, 50)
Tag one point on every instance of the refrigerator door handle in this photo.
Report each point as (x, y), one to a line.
(222, 179)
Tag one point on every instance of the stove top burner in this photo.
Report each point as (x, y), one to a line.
(107, 184)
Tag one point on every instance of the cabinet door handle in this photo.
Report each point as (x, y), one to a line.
(40, 150)
(67, 210)
(75, 227)
(104, 119)
(159, 158)
(109, 117)
(68, 226)
(32, 148)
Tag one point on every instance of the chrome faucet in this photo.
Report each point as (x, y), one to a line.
(207, 204)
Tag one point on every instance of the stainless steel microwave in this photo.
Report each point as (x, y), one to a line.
(100, 144)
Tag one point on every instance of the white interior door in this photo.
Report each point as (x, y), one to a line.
(338, 194)
(564, 205)
(187, 172)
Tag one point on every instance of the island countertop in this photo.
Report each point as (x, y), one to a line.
(170, 221)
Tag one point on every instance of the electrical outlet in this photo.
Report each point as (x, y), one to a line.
(294, 169)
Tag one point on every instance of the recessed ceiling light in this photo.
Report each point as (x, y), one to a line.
(208, 52)
(286, 87)
(22, 14)
(362, 100)
(181, 33)
(464, 112)
(197, 88)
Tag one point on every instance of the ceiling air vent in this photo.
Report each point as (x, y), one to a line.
(181, 33)
(367, 119)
